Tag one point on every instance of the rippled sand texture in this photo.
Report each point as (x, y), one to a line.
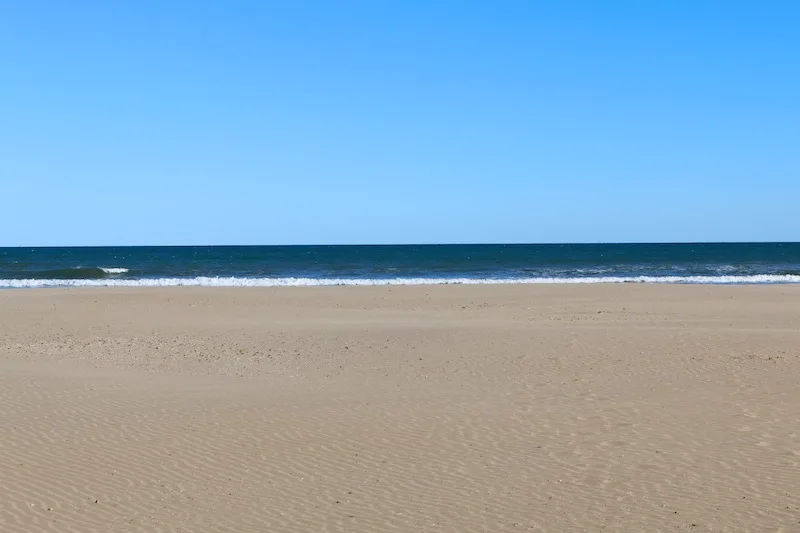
(448, 409)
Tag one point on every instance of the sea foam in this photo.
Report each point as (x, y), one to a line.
(114, 270)
(311, 282)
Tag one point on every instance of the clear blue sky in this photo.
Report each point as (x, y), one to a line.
(212, 122)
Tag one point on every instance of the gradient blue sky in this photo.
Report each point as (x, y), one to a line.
(211, 122)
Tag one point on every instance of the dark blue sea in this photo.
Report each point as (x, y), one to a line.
(406, 264)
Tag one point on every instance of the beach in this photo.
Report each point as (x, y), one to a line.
(454, 408)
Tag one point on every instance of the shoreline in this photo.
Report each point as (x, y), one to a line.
(231, 282)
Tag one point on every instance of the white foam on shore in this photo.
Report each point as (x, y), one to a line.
(312, 282)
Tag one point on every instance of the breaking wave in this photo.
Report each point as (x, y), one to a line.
(74, 274)
(104, 281)
(114, 270)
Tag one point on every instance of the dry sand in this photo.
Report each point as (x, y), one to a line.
(448, 409)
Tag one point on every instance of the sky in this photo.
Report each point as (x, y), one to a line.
(164, 122)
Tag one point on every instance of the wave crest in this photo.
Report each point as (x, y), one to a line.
(114, 270)
(76, 273)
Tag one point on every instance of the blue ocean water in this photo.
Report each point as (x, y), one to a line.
(402, 264)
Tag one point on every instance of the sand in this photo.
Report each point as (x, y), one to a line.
(447, 409)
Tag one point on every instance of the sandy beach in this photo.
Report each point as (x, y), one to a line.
(367, 409)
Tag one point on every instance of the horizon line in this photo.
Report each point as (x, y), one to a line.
(584, 243)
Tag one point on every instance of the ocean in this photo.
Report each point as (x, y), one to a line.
(721, 263)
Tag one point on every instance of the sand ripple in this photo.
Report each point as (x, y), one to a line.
(377, 410)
